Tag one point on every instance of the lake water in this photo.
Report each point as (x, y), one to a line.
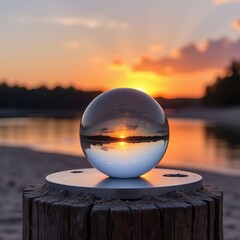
(193, 143)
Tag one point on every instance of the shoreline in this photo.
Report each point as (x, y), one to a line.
(198, 112)
(201, 168)
(229, 117)
(21, 167)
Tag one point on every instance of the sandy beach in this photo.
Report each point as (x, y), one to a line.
(21, 167)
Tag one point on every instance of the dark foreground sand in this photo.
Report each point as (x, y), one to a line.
(21, 167)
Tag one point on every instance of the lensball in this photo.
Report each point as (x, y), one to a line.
(124, 133)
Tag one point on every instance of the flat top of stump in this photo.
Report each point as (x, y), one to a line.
(156, 182)
(45, 192)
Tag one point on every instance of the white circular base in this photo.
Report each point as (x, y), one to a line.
(155, 183)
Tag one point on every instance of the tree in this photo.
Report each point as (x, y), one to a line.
(43, 98)
(226, 90)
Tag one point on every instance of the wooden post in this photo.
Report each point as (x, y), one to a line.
(49, 214)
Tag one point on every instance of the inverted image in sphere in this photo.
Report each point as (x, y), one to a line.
(124, 133)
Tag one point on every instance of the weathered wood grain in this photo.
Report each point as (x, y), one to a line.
(55, 215)
(100, 224)
(183, 228)
(29, 194)
(80, 221)
(151, 222)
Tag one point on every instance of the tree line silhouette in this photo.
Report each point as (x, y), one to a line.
(44, 98)
(225, 91)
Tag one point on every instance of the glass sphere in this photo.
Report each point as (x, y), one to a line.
(124, 133)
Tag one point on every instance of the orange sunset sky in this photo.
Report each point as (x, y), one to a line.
(165, 48)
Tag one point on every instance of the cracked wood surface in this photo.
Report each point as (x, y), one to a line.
(52, 214)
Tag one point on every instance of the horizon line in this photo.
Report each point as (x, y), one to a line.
(87, 90)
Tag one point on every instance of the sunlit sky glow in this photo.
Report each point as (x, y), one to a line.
(168, 48)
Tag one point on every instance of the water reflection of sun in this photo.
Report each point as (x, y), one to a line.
(122, 143)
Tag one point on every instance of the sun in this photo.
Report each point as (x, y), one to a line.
(145, 82)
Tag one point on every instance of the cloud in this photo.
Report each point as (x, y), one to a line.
(218, 2)
(236, 25)
(86, 22)
(175, 53)
(194, 57)
(118, 64)
(73, 22)
(117, 61)
(131, 127)
(106, 130)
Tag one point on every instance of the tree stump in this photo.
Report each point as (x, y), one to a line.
(51, 214)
